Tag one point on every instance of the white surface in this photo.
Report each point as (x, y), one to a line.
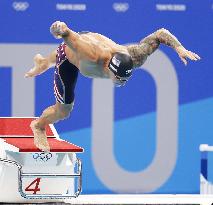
(143, 199)
(206, 147)
(60, 163)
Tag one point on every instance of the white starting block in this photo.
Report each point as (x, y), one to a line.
(206, 185)
(27, 174)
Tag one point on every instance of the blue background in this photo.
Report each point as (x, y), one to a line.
(193, 27)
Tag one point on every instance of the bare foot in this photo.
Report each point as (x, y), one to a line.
(40, 138)
(59, 29)
(40, 65)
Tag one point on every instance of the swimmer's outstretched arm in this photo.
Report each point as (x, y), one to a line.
(149, 44)
(41, 64)
(74, 41)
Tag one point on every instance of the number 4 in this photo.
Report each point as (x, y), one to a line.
(36, 188)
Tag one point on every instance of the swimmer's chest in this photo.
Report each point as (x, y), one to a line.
(92, 69)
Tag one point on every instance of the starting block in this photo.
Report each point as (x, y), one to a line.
(27, 174)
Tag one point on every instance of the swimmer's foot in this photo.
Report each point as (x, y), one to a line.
(59, 29)
(40, 138)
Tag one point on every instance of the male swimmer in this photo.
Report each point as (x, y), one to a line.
(94, 56)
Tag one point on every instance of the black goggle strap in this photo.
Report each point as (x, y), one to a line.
(120, 79)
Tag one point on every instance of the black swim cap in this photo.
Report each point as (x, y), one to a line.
(121, 65)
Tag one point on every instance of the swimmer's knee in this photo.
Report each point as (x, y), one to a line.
(63, 110)
(64, 114)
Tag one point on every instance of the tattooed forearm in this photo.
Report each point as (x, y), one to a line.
(165, 37)
(140, 52)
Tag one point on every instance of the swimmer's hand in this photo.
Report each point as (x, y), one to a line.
(59, 29)
(184, 54)
(41, 64)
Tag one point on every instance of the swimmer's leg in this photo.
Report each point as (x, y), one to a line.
(65, 78)
(42, 64)
(50, 115)
(71, 38)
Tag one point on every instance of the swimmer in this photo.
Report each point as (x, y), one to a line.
(94, 56)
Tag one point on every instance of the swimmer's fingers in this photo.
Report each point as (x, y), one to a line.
(183, 60)
(193, 56)
(184, 54)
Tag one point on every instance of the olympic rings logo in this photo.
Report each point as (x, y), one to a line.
(42, 156)
(120, 7)
(20, 6)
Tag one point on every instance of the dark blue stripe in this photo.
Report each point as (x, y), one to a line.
(6, 91)
(204, 165)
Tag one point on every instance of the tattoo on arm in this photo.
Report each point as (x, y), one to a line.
(165, 37)
(140, 52)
